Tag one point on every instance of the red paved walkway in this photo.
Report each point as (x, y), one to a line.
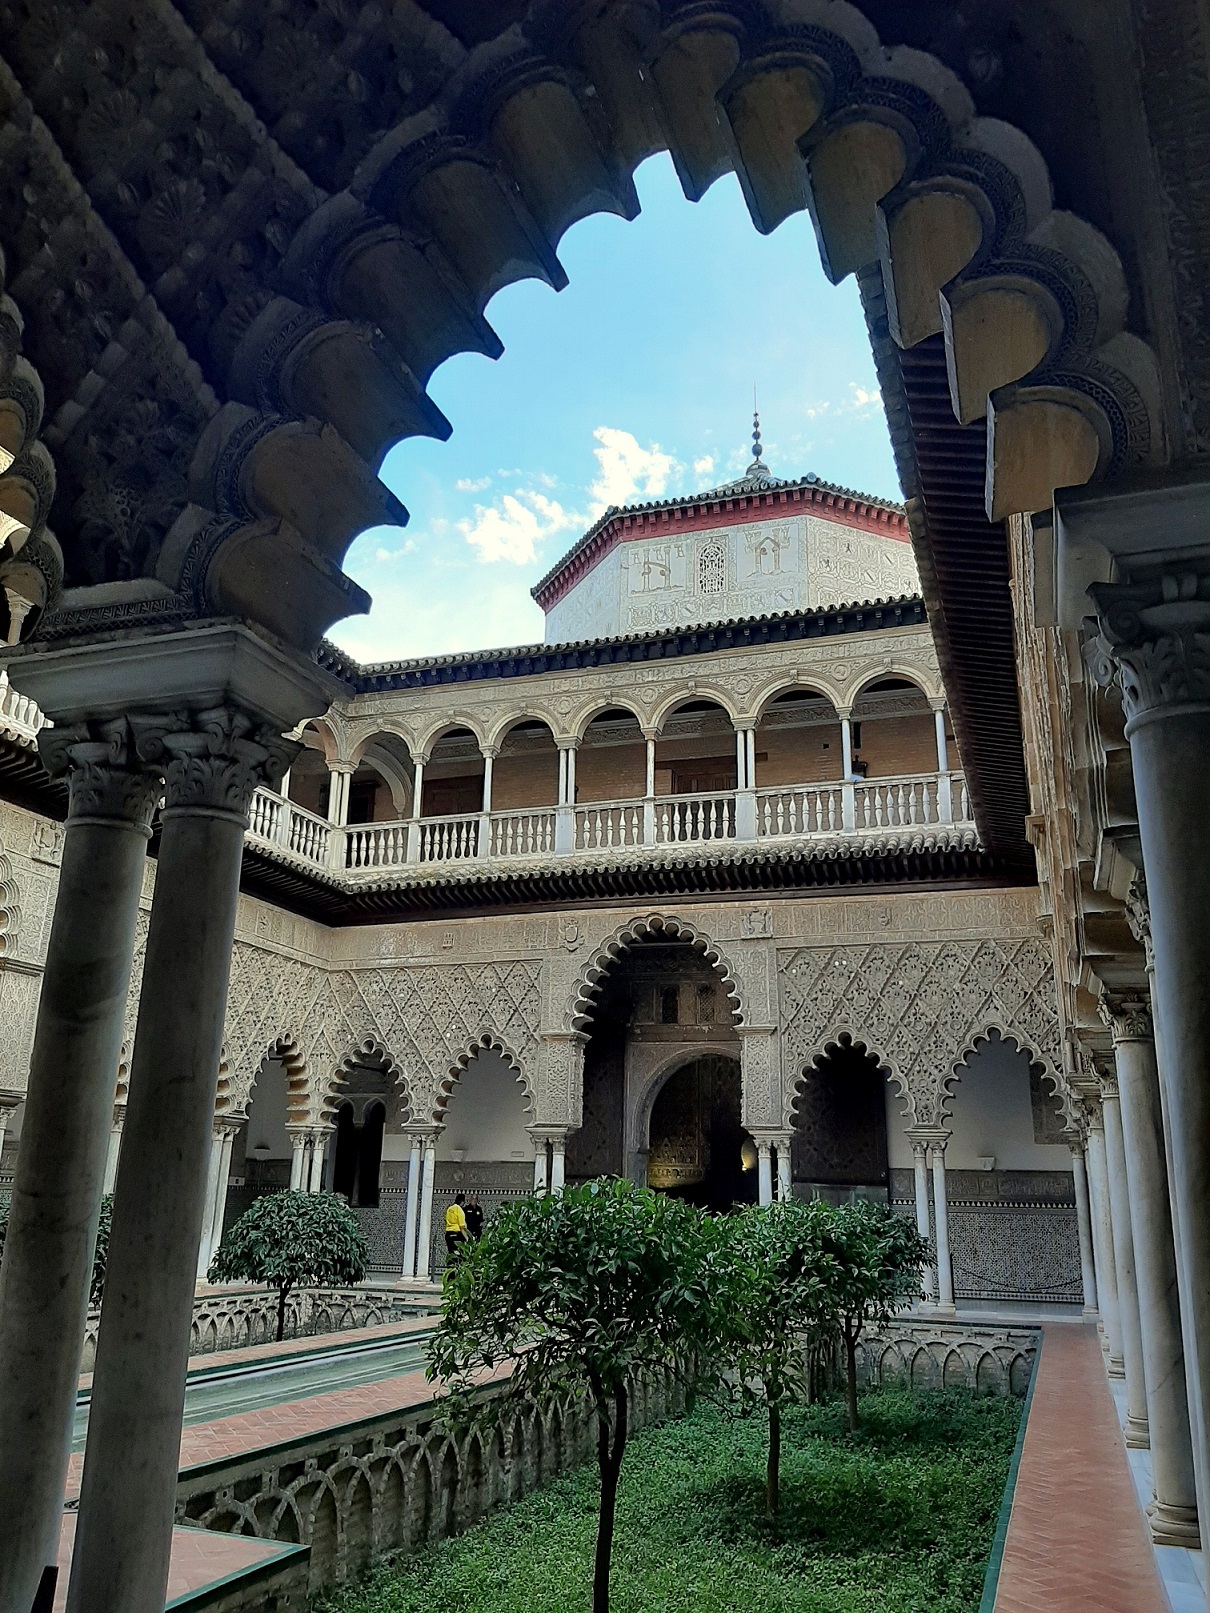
(1076, 1540)
(199, 1559)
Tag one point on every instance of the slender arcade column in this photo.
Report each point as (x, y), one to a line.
(920, 1171)
(785, 1168)
(558, 1163)
(298, 1159)
(413, 1209)
(540, 1154)
(945, 1270)
(424, 1237)
(213, 761)
(315, 1164)
(764, 1170)
(1173, 1511)
(1135, 1432)
(114, 1147)
(68, 1118)
(1102, 1242)
(1088, 1272)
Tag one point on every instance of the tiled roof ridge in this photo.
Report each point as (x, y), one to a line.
(345, 666)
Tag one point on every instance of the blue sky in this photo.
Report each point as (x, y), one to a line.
(635, 382)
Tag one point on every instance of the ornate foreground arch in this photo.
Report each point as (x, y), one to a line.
(845, 1039)
(487, 1041)
(923, 1004)
(1039, 1058)
(368, 1047)
(591, 977)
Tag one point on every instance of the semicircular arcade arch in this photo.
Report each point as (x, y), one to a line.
(578, 724)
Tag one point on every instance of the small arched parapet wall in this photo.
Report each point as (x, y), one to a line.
(841, 1041)
(369, 1047)
(1038, 1058)
(488, 1041)
(582, 1004)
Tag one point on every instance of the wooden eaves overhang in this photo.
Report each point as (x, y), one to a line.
(963, 562)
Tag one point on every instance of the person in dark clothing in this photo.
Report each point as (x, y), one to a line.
(474, 1217)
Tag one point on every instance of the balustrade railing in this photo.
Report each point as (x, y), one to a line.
(792, 811)
(18, 713)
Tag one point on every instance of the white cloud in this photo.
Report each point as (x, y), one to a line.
(467, 484)
(864, 399)
(626, 469)
(704, 466)
(513, 528)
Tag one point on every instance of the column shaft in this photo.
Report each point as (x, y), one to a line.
(1174, 1510)
(424, 1241)
(540, 1165)
(920, 1172)
(205, 1246)
(1102, 1249)
(558, 1147)
(945, 1270)
(319, 1150)
(741, 759)
(56, 1194)
(298, 1156)
(764, 1168)
(128, 1493)
(1123, 1256)
(785, 1169)
(1088, 1275)
(413, 1210)
(943, 760)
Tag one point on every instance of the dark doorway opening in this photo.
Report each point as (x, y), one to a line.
(697, 1147)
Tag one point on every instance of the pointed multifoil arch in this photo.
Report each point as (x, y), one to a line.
(582, 1003)
(486, 1041)
(333, 1090)
(1045, 1058)
(843, 1039)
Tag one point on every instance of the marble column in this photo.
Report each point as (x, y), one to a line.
(60, 1170)
(424, 1236)
(319, 1151)
(206, 1243)
(1155, 638)
(113, 1147)
(649, 791)
(920, 1173)
(1173, 1511)
(298, 1157)
(1088, 1275)
(1135, 1432)
(558, 1162)
(785, 1166)
(764, 1170)
(945, 1270)
(540, 1161)
(412, 1213)
(945, 804)
(1102, 1241)
(213, 761)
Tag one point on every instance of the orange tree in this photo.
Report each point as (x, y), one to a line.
(583, 1292)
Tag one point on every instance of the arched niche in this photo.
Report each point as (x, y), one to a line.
(697, 1148)
(367, 1154)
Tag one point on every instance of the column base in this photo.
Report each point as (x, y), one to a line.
(1091, 1314)
(1174, 1526)
(1136, 1434)
(945, 1310)
(1115, 1366)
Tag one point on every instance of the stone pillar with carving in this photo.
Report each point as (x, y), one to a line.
(1135, 1431)
(1173, 1511)
(1154, 641)
(1102, 1238)
(65, 1131)
(213, 758)
(760, 1075)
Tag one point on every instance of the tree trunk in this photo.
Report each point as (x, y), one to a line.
(850, 1350)
(609, 1461)
(281, 1312)
(773, 1466)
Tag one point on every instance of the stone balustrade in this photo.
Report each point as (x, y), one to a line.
(20, 718)
(811, 812)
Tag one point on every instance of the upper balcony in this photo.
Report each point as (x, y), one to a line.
(455, 806)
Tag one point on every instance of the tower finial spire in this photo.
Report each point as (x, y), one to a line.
(758, 466)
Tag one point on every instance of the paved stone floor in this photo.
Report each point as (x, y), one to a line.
(199, 1559)
(1077, 1542)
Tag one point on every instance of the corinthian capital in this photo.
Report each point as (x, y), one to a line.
(213, 760)
(107, 781)
(1153, 640)
(1126, 1015)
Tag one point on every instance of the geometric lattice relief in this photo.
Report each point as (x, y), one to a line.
(919, 1006)
(423, 1015)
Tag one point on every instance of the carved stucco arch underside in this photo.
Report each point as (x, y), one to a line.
(920, 1005)
(10, 908)
(665, 927)
(368, 1048)
(487, 1042)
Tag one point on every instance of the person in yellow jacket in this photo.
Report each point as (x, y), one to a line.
(455, 1227)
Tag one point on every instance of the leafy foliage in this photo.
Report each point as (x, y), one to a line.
(583, 1290)
(100, 1253)
(876, 1261)
(896, 1519)
(292, 1240)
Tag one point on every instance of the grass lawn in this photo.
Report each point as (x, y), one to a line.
(897, 1520)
